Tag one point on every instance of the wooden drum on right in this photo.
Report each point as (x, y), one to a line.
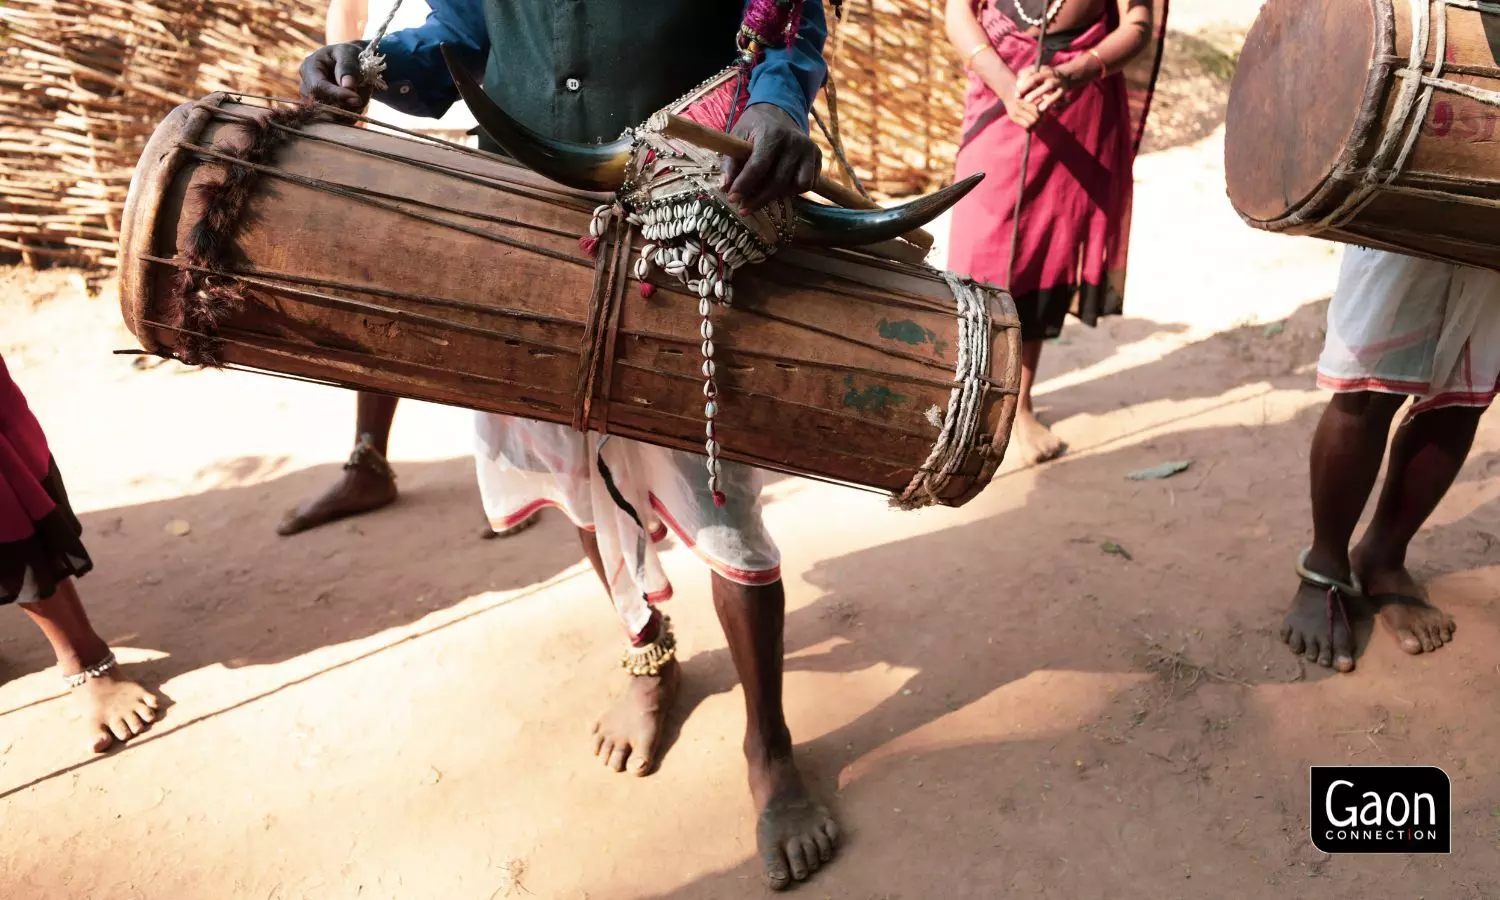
(1371, 122)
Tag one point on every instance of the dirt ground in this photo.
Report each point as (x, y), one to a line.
(1068, 689)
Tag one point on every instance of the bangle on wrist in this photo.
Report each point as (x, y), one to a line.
(978, 49)
(1103, 66)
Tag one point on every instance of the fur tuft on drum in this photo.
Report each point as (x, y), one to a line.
(275, 239)
(1371, 122)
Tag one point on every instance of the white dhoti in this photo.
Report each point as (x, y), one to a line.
(1403, 325)
(630, 495)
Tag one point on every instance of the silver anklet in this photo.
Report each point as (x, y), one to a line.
(365, 456)
(648, 661)
(97, 670)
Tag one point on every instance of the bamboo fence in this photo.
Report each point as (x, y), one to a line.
(84, 82)
(900, 92)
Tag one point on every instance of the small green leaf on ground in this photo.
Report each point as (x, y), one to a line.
(1165, 470)
(1114, 549)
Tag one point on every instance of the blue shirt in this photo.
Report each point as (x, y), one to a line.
(419, 84)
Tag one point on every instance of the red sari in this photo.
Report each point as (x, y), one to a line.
(39, 535)
(1075, 216)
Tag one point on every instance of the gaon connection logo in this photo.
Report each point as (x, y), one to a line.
(1381, 809)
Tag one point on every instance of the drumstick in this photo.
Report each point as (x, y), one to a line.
(1015, 230)
(720, 142)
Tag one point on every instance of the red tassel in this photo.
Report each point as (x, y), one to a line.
(590, 245)
(719, 499)
(647, 289)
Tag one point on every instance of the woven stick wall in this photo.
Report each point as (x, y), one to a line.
(84, 82)
(900, 91)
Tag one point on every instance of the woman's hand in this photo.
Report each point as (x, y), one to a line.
(1042, 87)
(1019, 111)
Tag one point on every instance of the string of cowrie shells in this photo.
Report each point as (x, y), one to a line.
(673, 194)
(693, 234)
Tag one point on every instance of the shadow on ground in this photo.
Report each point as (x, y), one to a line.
(1097, 683)
(229, 575)
(1096, 703)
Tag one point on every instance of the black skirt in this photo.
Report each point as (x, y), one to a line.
(52, 553)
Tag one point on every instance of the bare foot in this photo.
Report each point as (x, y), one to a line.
(629, 735)
(1307, 631)
(359, 490)
(1035, 441)
(115, 709)
(1402, 605)
(794, 833)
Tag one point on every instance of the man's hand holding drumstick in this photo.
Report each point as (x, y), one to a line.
(331, 75)
(784, 161)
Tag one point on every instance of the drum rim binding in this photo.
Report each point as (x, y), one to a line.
(1352, 183)
(173, 141)
(148, 188)
(1332, 188)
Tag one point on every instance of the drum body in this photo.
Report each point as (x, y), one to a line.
(1371, 122)
(364, 259)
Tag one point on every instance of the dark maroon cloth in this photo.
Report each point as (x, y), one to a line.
(38, 531)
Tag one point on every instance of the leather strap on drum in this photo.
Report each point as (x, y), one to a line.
(960, 427)
(597, 353)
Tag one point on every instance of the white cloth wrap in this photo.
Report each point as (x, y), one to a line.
(524, 466)
(1403, 325)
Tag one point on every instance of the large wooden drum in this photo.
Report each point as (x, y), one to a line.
(278, 242)
(1371, 122)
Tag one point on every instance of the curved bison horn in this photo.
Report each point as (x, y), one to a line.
(586, 167)
(833, 226)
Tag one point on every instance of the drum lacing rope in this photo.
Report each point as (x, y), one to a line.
(371, 62)
(205, 289)
(965, 404)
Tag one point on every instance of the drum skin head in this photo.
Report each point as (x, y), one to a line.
(1302, 97)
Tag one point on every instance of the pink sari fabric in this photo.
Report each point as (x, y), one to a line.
(24, 462)
(1075, 215)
